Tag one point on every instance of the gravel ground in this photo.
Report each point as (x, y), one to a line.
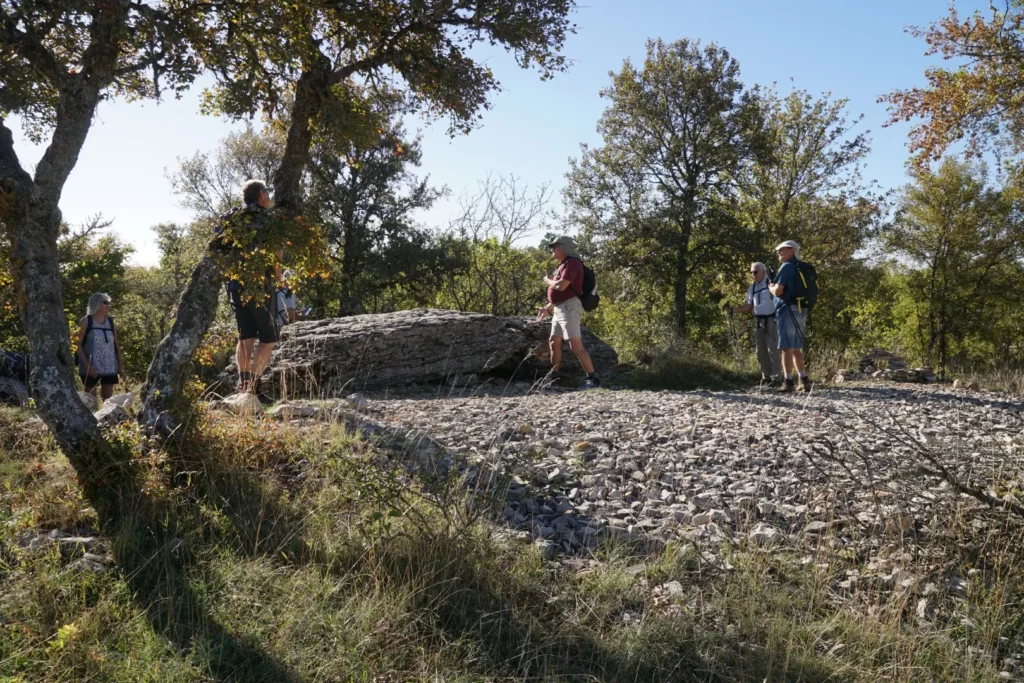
(858, 465)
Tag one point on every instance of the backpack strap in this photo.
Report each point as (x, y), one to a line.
(579, 295)
(113, 332)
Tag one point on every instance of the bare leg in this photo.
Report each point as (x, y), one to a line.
(261, 359)
(555, 346)
(788, 362)
(106, 391)
(243, 356)
(581, 352)
(798, 360)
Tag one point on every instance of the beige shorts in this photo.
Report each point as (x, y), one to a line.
(565, 321)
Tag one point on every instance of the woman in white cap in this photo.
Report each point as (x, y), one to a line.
(99, 353)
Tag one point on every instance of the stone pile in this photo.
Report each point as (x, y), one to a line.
(895, 369)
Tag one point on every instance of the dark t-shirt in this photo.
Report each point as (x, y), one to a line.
(233, 286)
(570, 269)
(788, 278)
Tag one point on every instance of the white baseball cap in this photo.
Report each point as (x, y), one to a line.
(791, 245)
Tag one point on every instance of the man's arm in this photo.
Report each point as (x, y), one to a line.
(745, 308)
(556, 284)
(776, 289)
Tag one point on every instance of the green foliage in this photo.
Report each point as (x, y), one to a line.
(138, 50)
(499, 279)
(958, 281)
(677, 135)
(90, 262)
(250, 245)
(258, 56)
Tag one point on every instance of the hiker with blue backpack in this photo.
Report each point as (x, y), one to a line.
(99, 358)
(795, 289)
(571, 291)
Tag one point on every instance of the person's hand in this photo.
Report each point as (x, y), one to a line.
(91, 372)
(122, 374)
(542, 313)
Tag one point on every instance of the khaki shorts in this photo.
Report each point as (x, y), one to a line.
(565, 322)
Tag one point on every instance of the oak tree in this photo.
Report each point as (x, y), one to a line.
(678, 134)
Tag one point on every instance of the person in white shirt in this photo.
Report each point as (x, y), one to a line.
(761, 303)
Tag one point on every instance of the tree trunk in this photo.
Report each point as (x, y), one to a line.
(198, 304)
(193, 316)
(311, 91)
(682, 277)
(29, 210)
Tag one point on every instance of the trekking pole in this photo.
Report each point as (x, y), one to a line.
(737, 355)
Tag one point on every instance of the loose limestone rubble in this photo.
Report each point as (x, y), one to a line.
(575, 469)
(328, 358)
(715, 469)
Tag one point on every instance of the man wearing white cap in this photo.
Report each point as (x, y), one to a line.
(766, 335)
(564, 290)
(790, 318)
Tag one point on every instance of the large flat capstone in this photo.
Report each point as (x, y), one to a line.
(330, 357)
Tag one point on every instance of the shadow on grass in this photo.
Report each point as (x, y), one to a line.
(512, 630)
(154, 546)
(159, 572)
(677, 372)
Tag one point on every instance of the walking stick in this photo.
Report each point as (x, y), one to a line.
(737, 354)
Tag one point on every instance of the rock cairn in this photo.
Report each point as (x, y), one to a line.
(884, 365)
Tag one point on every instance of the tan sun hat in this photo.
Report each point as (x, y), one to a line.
(567, 244)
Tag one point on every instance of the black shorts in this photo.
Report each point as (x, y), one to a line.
(255, 319)
(91, 382)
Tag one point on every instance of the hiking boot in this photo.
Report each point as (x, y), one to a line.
(264, 399)
(787, 387)
(591, 383)
(805, 384)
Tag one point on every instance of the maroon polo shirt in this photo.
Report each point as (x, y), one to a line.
(570, 269)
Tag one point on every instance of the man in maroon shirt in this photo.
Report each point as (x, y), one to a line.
(564, 290)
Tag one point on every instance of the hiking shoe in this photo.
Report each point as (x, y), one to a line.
(591, 383)
(264, 399)
(805, 384)
(787, 387)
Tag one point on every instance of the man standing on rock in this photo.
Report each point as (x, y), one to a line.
(254, 318)
(566, 309)
(766, 332)
(790, 318)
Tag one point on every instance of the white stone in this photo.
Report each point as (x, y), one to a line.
(764, 535)
(243, 404)
(90, 401)
(111, 415)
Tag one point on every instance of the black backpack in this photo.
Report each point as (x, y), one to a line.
(14, 366)
(88, 330)
(805, 291)
(588, 297)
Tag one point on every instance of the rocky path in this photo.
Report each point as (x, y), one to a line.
(854, 465)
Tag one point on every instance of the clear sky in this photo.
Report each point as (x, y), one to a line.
(858, 51)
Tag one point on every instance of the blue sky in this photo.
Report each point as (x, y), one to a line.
(858, 51)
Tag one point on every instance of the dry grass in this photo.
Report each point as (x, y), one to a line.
(280, 554)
